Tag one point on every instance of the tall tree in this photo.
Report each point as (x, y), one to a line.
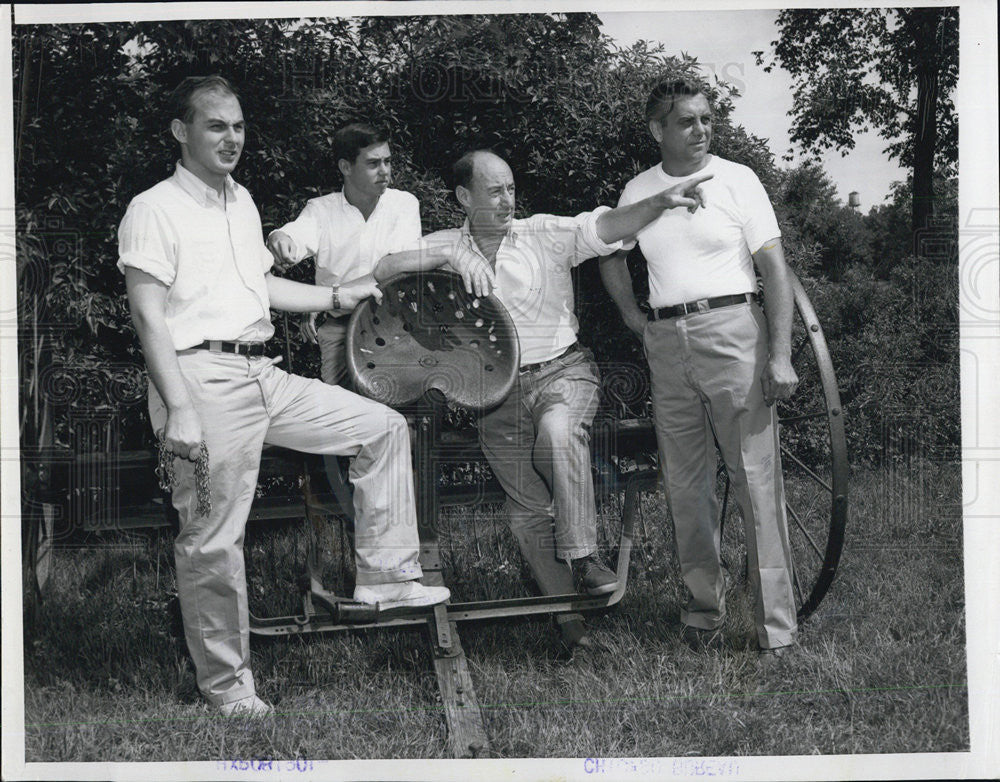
(892, 69)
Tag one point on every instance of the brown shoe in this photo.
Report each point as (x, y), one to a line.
(699, 640)
(594, 576)
(768, 659)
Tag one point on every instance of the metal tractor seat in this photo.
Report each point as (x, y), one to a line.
(429, 335)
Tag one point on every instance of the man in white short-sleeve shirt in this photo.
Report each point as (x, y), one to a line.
(347, 232)
(717, 364)
(538, 440)
(199, 287)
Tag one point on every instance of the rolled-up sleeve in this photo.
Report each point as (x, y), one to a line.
(145, 243)
(589, 244)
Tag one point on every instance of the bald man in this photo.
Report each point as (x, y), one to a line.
(538, 440)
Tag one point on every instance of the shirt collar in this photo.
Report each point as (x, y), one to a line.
(198, 190)
(347, 206)
(510, 236)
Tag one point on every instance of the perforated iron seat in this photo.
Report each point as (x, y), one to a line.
(428, 333)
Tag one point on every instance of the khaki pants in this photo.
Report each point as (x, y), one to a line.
(538, 445)
(244, 403)
(332, 339)
(705, 370)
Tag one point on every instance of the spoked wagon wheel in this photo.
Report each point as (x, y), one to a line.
(814, 463)
(814, 459)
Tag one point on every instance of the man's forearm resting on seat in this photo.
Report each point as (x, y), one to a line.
(417, 260)
(301, 297)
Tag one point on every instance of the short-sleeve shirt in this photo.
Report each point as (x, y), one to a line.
(533, 279)
(208, 250)
(707, 253)
(346, 245)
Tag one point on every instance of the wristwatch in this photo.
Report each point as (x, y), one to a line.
(335, 295)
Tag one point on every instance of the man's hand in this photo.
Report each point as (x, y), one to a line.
(779, 380)
(307, 327)
(687, 194)
(182, 433)
(352, 293)
(478, 276)
(283, 249)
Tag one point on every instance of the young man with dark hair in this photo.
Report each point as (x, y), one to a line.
(717, 363)
(199, 287)
(347, 231)
(538, 440)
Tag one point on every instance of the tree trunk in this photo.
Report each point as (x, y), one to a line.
(23, 113)
(925, 24)
(923, 164)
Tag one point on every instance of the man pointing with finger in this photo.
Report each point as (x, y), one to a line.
(717, 363)
(538, 440)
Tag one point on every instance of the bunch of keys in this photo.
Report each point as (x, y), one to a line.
(168, 479)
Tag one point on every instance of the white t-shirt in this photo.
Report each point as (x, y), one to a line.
(708, 253)
(344, 243)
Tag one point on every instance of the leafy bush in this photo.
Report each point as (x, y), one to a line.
(895, 346)
(548, 91)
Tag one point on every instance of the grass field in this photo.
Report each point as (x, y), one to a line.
(881, 666)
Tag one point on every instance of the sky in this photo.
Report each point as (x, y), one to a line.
(722, 41)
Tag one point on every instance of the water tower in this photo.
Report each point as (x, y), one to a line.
(854, 199)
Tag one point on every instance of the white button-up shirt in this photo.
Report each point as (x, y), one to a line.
(346, 245)
(533, 278)
(208, 250)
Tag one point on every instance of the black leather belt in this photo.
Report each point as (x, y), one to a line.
(248, 349)
(702, 305)
(535, 367)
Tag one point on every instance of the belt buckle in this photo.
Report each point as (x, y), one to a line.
(702, 305)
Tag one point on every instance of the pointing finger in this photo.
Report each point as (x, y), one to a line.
(697, 179)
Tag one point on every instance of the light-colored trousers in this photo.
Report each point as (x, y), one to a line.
(332, 339)
(705, 370)
(244, 403)
(538, 445)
